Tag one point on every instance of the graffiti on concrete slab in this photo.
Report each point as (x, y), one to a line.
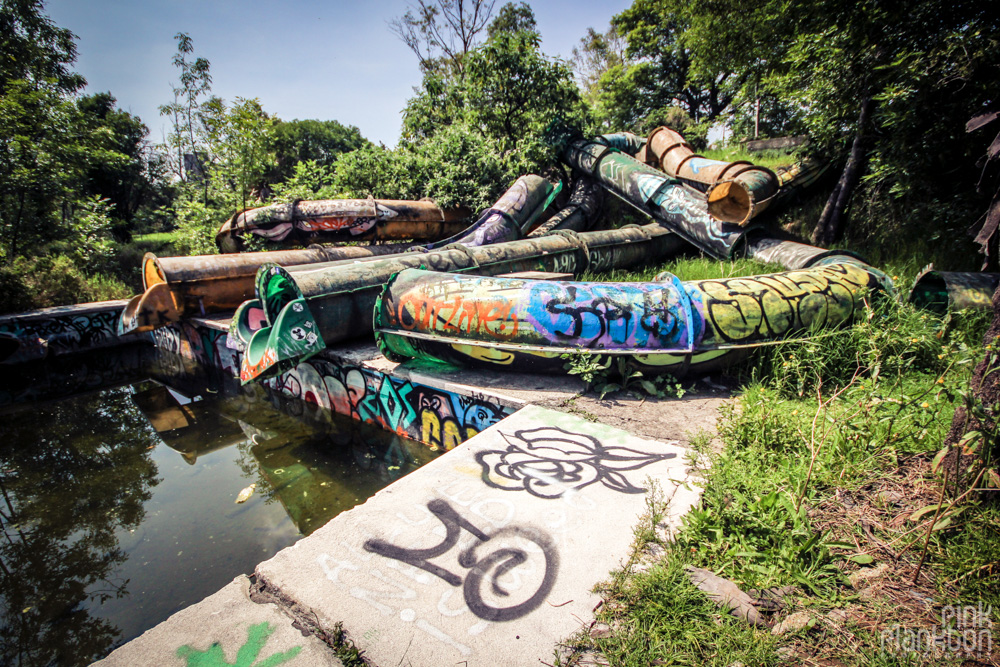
(438, 418)
(257, 636)
(436, 607)
(488, 568)
(68, 329)
(550, 462)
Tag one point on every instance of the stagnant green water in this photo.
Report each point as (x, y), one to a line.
(118, 507)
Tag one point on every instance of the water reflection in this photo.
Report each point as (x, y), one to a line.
(72, 477)
(106, 531)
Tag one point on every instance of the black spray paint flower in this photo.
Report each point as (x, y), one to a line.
(549, 461)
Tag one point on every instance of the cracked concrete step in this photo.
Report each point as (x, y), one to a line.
(226, 628)
(487, 555)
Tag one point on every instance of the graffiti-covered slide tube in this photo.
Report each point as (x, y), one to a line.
(666, 199)
(517, 209)
(664, 326)
(941, 291)
(579, 213)
(300, 311)
(331, 220)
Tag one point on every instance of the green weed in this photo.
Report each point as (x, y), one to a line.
(688, 268)
(606, 374)
(772, 159)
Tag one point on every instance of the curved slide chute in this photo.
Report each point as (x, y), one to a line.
(666, 326)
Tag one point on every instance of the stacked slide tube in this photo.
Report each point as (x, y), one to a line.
(666, 199)
(299, 311)
(736, 191)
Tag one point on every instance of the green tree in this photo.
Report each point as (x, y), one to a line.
(466, 139)
(596, 54)
(34, 49)
(47, 147)
(239, 141)
(185, 137)
(658, 71)
(237, 153)
(513, 91)
(127, 183)
(513, 18)
(319, 141)
(884, 88)
(442, 32)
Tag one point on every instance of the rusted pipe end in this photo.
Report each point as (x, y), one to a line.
(224, 238)
(730, 202)
(151, 272)
(150, 310)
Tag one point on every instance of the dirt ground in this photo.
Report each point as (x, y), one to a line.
(657, 418)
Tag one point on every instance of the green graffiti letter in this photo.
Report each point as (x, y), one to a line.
(246, 657)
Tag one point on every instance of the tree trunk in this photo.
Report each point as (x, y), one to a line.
(831, 222)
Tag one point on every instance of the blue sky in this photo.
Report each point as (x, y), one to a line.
(302, 58)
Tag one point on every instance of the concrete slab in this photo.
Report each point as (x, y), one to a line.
(668, 418)
(226, 628)
(487, 555)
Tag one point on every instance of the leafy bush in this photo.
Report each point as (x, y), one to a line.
(197, 225)
(53, 280)
(308, 180)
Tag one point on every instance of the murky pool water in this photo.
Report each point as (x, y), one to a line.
(118, 508)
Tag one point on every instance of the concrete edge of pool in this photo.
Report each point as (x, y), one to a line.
(485, 556)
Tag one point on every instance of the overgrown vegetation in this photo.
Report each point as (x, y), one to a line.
(76, 170)
(830, 478)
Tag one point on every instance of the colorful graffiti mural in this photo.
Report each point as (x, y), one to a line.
(435, 417)
(667, 325)
(438, 418)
